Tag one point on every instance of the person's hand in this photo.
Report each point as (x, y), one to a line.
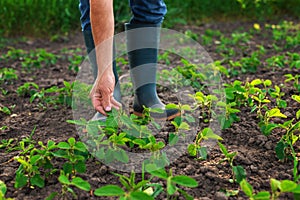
(102, 93)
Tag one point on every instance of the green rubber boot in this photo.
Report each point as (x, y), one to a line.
(142, 48)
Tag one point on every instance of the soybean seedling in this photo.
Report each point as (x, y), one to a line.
(75, 153)
(5, 110)
(265, 126)
(27, 89)
(196, 149)
(132, 190)
(248, 190)
(288, 139)
(7, 74)
(29, 169)
(295, 79)
(204, 102)
(258, 97)
(38, 59)
(277, 94)
(154, 147)
(284, 186)
(172, 181)
(230, 116)
(67, 182)
(238, 172)
(7, 143)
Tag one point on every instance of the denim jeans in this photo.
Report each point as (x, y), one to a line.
(144, 12)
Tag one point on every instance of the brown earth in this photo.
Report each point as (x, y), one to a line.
(255, 151)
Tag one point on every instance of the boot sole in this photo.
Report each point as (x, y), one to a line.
(169, 118)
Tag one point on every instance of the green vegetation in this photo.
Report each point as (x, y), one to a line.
(53, 17)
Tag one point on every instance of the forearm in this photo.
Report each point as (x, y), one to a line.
(102, 22)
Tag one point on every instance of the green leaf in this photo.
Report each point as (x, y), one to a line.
(171, 189)
(52, 196)
(80, 166)
(230, 93)
(246, 187)
(267, 83)
(221, 104)
(160, 173)
(67, 168)
(185, 194)
(280, 150)
(275, 184)
(298, 114)
(184, 181)
(60, 154)
(275, 112)
(173, 139)
(296, 98)
(80, 146)
(3, 188)
(21, 180)
(34, 159)
(140, 196)
(223, 149)
(202, 152)
(81, 184)
(109, 190)
(192, 149)
(63, 145)
(64, 180)
(282, 103)
(100, 154)
(51, 145)
(297, 189)
(263, 195)
(256, 82)
(92, 129)
(121, 156)
(109, 155)
(139, 142)
(210, 134)
(186, 107)
(111, 122)
(142, 184)
(239, 173)
(37, 180)
(184, 126)
(267, 129)
(159, 145)
(72, 141)
(67, 84)
(287, 186)
(171, 106)
(81, 122)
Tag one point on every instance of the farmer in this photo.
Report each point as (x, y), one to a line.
(97, 22)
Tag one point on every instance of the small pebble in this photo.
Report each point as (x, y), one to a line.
(220, 196)
(269, 145)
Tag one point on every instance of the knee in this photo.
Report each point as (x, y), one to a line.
(148, 11)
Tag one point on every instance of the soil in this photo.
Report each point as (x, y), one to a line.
(255, 151)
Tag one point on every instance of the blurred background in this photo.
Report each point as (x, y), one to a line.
(49, 18)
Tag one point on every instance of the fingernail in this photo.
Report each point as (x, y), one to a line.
(108, 108)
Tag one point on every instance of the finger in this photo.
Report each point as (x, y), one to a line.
(105, 101)
(115, 104)
(96, 101)
(101, 110)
